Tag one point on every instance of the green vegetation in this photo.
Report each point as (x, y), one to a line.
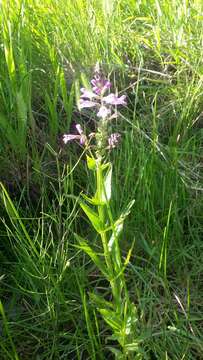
(152, 51)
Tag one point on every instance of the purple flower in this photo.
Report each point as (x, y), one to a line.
(113, 99)
(86, 104)
(100, 85)
(114, 140)
(103, 112)
(87, 94)
(81, 136)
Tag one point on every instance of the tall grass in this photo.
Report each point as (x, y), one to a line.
(152, 50)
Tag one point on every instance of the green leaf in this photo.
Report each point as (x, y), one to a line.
(117, 230)
(105, 166)
(85, 81)
(118, 226)
(127, 327)
(130, 317)
(103, 193)
(107, 184)
(7, 330)
(53, 116)
(126, 212)
(91, 163)
(118, 354)
(127, 259)
(93, 217)
(93, 201)
(22, 119)
(69, 106)
(67, 99)
(100, 302)
(92, 254)
(77, 92)
(112, 319)
(132, 347)
(8, 132)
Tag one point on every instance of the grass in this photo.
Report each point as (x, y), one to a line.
(152, 50)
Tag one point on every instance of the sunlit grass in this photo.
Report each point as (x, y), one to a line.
(153, 51)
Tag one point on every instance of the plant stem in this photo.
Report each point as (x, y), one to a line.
(102, 210)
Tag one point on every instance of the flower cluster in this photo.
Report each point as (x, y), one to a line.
(105, 105)
(95, 98)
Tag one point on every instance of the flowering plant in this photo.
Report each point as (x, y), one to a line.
(119, 313)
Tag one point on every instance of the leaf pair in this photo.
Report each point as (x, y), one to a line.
(104, 177)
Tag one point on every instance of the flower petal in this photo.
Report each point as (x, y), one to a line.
(107, 84)
(112, 99)
(83, 139)
(70, 137)
(100, 85)
(87, 94)
(93, 82)
(103, 112)
(86, 104)
(79, 129)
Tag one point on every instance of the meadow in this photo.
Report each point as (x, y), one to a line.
(63, 293)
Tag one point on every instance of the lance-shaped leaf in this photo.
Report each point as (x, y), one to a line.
(92, 216)
(92, 254)
(126, 211)
(100, 302)
(117, 230)
(112, 318)
(103, 194)
(93, 201)
(9, 133)
(118, 354)
(106, 194)
(118, 226)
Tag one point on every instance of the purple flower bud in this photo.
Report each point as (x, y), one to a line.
(100, 85)
(114, 140)
(112, 99)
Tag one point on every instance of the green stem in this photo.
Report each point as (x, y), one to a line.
(102, 210)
